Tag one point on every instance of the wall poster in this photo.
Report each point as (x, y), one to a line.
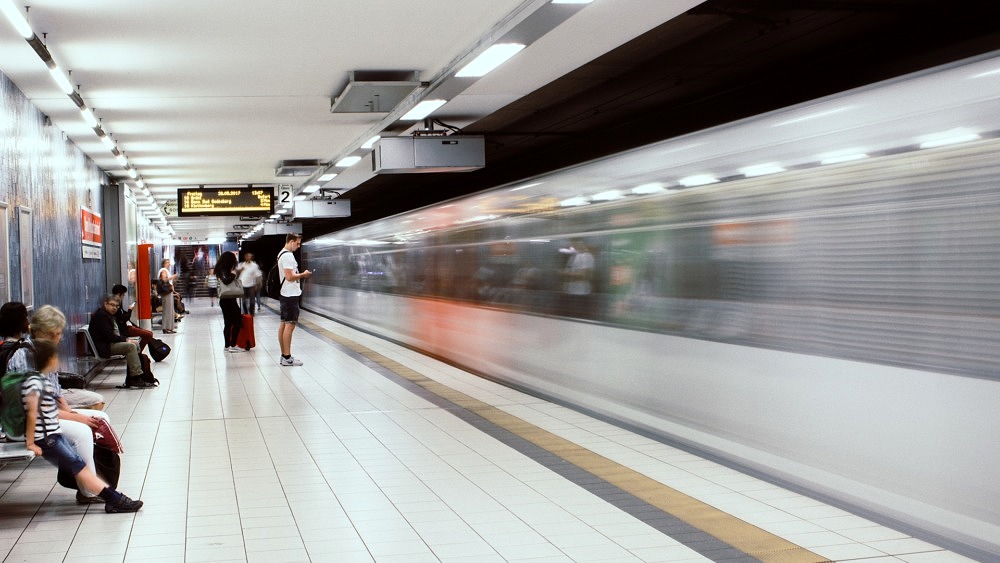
(91, 233)
(24, 228)
(4, 253)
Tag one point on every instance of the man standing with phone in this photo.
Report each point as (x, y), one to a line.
(291, 295)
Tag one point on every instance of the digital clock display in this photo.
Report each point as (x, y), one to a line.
(225, 201)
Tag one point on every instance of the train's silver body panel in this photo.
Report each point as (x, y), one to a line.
(831, 323)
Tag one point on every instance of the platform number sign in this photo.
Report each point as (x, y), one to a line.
(284, 194)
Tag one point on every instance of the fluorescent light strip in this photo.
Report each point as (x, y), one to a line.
(311, 189)
(60, 77)
(489, 59)
(371, 142)
(423, 109)
(347, 161)
(327, 177)
(16, 18)
(88, 116)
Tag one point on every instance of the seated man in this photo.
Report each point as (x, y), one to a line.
(123, 316)
(110, 341)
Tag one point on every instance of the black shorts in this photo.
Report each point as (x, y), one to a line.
(290, 309)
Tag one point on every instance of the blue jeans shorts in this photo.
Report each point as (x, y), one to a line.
(289, 309)
(57, 450)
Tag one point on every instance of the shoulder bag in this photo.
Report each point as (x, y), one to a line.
(228, 290)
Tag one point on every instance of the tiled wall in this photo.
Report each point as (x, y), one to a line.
(51, 176)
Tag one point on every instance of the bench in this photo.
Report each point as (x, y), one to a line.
(12, 451)
(91, 349)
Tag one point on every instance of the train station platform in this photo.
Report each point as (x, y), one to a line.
(373, 452)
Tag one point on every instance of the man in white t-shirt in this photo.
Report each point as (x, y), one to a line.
(291, 292)
(250, 275)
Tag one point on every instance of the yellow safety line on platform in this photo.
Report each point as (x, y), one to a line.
(744, 536)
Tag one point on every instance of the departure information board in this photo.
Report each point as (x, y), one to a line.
(192, 202)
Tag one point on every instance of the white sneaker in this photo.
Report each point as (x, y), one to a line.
(235, 349)
(291, 362)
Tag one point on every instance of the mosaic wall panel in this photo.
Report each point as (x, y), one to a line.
(49, 175)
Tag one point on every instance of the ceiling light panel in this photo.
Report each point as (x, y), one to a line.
(423, 109)
(489, 59)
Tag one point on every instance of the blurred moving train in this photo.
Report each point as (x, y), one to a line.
(813, 294)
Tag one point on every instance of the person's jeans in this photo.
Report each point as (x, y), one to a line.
(249, 300)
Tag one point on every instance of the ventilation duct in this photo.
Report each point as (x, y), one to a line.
(371, 91)
(414, 155)
(297, 167)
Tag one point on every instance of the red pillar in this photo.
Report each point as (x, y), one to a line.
(142, 286)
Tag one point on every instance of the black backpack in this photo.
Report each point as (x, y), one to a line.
(275, 279)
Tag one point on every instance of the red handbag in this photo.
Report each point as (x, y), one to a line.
(106, 437)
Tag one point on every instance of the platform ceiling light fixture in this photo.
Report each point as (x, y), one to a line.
(367, 145)
(16, 18)
(422, 110)
(347, 161)
(489, 59)
(20, 23)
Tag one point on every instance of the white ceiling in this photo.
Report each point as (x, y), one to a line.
(219, 92)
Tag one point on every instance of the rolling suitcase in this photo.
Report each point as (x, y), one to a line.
(245, 338)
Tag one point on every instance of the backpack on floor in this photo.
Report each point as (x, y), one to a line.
(272, 285)
(108, 464)
(158, 349)
(147, 369)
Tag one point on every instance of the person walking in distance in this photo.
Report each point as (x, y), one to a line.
(250, 275)
(291, 294)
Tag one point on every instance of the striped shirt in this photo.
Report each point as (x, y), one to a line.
(47, 418)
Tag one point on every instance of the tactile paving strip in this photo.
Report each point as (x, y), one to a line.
(703, 528)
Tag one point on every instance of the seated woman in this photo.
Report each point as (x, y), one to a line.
(76, 424)
(110, 341)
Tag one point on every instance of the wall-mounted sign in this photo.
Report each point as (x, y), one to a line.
(91, 227)
(194, 202)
